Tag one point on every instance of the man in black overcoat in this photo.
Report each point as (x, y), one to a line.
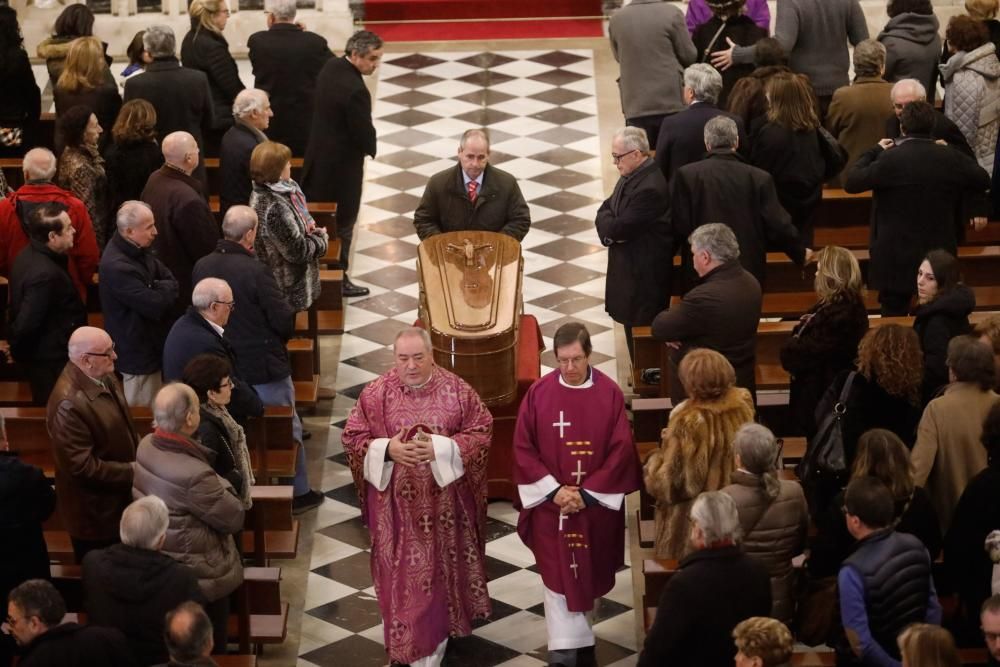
(342, 135)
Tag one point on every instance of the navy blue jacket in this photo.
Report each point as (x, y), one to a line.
(234, 164)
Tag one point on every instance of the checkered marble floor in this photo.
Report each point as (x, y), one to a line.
(541, 110)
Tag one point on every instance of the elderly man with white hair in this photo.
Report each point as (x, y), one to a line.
(201, 330)
(204, 512)
(286, 60)
(187, 229)
(39, 168)
(137, 292)
(131, 586)
(252, 114)
(93, 441)
(715, 587)
(905, 91)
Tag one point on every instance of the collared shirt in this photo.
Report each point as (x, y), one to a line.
(466, 180)
(219, 330)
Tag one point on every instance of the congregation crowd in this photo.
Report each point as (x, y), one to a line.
(731, 136)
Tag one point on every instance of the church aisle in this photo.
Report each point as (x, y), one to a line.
(541, 108)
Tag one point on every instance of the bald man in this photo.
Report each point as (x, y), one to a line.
(39, 168)
(188, 636)
(94, 442)
(187, 229)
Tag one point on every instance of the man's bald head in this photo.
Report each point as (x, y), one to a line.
(39, 164)
(180, 150)
(188, 633)
(175, 409)
(85, 340)
(238, 221)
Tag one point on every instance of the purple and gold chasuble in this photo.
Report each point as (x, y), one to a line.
(582, 438)
(428, 543)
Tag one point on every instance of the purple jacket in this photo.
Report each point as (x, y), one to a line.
(698, 12)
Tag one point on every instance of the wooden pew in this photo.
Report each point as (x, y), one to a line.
(215, 175)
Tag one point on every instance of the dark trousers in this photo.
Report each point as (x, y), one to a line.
(345, 233)
(649, 123)
(42, 376)
(824, 106)
(894, 304)
(82, 547)
(218, 613)
(629, 342)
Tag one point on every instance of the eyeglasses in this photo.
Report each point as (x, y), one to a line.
(230, 304)
(228, 384)
(572, 361)
(103, 354)
(618, 158)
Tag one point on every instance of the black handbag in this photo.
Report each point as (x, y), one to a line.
(825, 455)
(834, 155)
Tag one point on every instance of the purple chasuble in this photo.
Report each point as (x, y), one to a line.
(428, 542)
(582, 438)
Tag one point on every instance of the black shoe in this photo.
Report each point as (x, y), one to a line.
(306, 435)
(650, 376)
(347, 288)
(307, 501)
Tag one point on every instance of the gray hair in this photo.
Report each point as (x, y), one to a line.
(758, 452)
(208, 291)
(704, 81)
(721, 132)
(144, 523)
(634, 138)
(281, 10)
(159, 41)
(911, 85)
(415, 331)
(39, 164)
(238, 221)
(172, 406)
(362, 43)
(718, 240)
(474, 132)
(869, 58)
(718, 518)
(248, 101)
(187, 632)
(130, 214)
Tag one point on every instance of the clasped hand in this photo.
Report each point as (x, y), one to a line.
(412, 453)
(569, 500)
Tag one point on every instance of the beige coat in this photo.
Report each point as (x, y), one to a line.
(696, 455)
(774, 532)
(857, 117)
(949, 451)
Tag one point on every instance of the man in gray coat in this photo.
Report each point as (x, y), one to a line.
(651, 43)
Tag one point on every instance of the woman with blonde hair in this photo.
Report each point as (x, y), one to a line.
(762, 642)
(785, 143)
(134, 153)
(926, 645)
(825, 341)
(696, 454)
(86, 80)
(204, 48)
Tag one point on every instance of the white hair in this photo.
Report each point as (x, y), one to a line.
(282, 10)
(717, 516)
(717, 239)
(144, 523)
(634, 138)
(39, 164)
(704, 81)
(207, 292)
(721, 132)
(911, 85)
(248, 101)
(130, 213)
(238, 221)
(159, 41)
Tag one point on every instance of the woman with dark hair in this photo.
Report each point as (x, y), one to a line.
(21, 102)
(138, 58)
(747, 98)
(976, 516)
(81, 167)
(912, 43)
(728, 22)
(75, 21)
(825, 341)
(204, 48)
(942, 312)
(696, 454)
(85, 80)
(971, 79)
(880, 454)
(133, 153)
(785, 143)
(773, 513)
(209, 376)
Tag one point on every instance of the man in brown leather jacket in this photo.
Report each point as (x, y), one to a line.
(94, 442)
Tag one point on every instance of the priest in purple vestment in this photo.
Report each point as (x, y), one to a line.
(417, 442)
(574, 461)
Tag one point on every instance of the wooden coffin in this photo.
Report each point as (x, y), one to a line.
(470, 302)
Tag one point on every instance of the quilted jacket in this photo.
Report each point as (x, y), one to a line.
(972, 99)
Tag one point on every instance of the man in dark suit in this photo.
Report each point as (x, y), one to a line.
(724, 188)
(680, 141)
(634, 226)
(180, 95)
(472, 195)
(922, 191)
(286, 62)
(342, 135)
(188, 230)
(721, 312)
(944, 129)
(252, 113)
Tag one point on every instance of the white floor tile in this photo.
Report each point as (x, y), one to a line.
(522, 631)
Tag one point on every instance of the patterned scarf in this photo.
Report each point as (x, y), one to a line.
(236, 442)
(291, 189)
